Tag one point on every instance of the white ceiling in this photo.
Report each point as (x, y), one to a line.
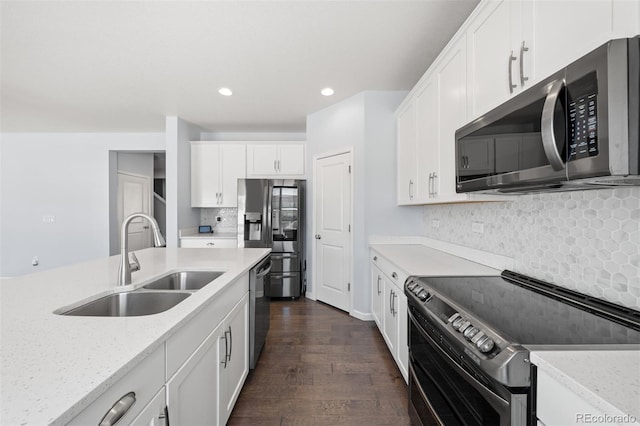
(104, 66)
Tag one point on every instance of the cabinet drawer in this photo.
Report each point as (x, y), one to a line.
(284, 285)
(396, 275)
(144, 380)
(182, 344)
(208, 243)
(284, 262)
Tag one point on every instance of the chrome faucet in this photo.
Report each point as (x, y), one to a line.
(125, 269)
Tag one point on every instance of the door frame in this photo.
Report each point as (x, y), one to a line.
(149, 180)
(314, 256)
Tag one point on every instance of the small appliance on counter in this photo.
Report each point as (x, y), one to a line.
(271, 214)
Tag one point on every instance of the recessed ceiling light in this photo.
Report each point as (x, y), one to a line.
(327, 91)
(225, 91)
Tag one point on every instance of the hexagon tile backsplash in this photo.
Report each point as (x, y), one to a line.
(588, 241)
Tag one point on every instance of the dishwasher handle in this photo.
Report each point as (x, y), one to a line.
(265, 270)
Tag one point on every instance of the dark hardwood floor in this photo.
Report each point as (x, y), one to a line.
(319, 366)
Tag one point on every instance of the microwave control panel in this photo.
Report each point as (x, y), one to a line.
(583, 127)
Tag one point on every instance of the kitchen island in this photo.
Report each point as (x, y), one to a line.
(53, 366)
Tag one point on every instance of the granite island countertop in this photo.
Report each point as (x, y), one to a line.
(54, 366)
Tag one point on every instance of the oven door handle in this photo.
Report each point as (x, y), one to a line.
(491, 397)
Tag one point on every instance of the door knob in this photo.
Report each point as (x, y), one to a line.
(318, 236)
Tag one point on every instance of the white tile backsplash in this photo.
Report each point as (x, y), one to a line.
(588, 241)
(228, 222)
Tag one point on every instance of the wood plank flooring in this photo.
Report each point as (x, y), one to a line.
(319, 366)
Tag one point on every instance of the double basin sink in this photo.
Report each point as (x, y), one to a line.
(157, 296)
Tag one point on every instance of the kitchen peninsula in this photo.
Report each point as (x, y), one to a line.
(55, 367)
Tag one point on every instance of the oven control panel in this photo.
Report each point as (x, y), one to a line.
(472, 333)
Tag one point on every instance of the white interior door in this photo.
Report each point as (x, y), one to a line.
(134, 196)
(332, 192)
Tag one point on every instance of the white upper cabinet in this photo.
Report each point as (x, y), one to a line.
(276, 160)
(406, 146)
(215, 170)
(492, 39)
(514, 44)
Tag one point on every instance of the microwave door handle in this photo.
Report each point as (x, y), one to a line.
(548, 136)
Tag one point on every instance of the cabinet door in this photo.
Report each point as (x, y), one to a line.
(390, 332)
(153, 413)
(489, 48)
(427, 148)
(452, 106)
(406, 147)
(261, 160)
(553, 43)
(193, 391)
(402, 358)
(291, 159)
(205, 174)
(236, 369)
(377, 296)
(233, 166)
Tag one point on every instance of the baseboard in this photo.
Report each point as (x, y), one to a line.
(361, 315)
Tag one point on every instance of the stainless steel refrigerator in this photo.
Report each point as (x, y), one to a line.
(271, 214)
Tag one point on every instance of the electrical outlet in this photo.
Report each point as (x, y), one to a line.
(435, 223)
(35, 261)
(218, 219)
(477, 227)
(48, 219)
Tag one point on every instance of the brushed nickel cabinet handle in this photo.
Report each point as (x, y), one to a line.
(523, 49)
(118, 410)
(511, 59)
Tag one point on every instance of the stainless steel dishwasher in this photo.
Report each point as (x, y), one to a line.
(258, 309)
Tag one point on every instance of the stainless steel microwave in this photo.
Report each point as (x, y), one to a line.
(576, 129)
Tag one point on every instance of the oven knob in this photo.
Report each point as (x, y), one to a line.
(470, 332)
(479, 335)
(423, 295)
(458, 322)
(464, 326)
(485, 344)
(453, 317)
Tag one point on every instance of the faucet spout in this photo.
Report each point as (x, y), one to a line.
(124, 270)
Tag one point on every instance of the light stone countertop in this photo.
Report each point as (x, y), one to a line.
(416, 259)
(608, 379)
(53, 366)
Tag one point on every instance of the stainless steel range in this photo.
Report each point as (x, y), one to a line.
(470, 337)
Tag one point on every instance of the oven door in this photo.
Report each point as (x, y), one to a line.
(441, 392)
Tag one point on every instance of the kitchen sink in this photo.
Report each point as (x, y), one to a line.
(184, 280)
(129, 304)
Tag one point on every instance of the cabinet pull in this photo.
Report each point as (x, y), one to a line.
(275, 167)
(390, 298)
(165, 416)
(226, 349)
(435, 184)
(118, 410)
(511, 59)
(379, 284)
(230, 343)
(278, 165)
(211, 244)
(393, 303)
(410, 189)
(523, 49)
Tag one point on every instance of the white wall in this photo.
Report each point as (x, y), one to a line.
(366, 123)
(180, 214)
(65, 176)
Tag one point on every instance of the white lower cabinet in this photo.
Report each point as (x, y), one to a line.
(234, 348)
(377, 295)
(192, 393)
(204, 242)
(390, 308)
(130, 395)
